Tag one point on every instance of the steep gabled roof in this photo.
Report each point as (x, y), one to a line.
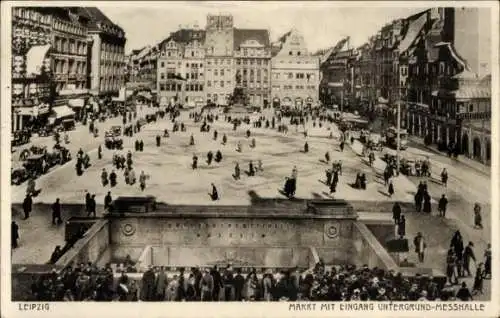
(97, 18)
(243, 35)
(187, 35)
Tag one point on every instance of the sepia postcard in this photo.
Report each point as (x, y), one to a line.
(249, 159)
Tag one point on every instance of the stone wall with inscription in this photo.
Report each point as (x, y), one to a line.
(259, 241)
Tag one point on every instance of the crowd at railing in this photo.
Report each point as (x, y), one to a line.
(87, 282)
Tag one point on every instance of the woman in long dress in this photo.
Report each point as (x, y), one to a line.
(251, 287)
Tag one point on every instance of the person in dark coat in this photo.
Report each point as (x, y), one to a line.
(194, 164)
(141, 146)
(418, 201)
(56, 212)
(99, 152)
(479, 279)
(217, 283)
(306, 147)
(92, 207)
(107, 201)
(112, 178)
(443, 202)
(27, 206)
(214, 195)
(239, 283)
(137, 148)
(224, 139)
(87, 202)
(391, 189)
(218, 156)
(402, 227)
(464, 293)
(427, 202)
(158, 140)
(458, 247)
(14, 234)
(210, 156)
(468, 256)
(396, 212)
(148, 285)
(251, 169)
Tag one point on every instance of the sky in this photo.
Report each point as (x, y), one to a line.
(322, 24)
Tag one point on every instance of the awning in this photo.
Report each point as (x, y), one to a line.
(35, 57)
(76, 103)
(62, 111)
(472, 92)
(413, 31)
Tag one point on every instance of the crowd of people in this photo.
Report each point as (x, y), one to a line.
(87, 282)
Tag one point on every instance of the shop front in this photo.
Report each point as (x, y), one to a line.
(62, 116)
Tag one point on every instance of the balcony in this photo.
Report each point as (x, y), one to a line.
(474, 116)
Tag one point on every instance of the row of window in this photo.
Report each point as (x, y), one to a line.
(70, 46)
(252, 62)
(219, 62)
(68, 27)
(192, 65)
(290, 75)
(64, 85)
(68, 67)
(27, 13)
(110, 69)
(285, 87)
(178, 87)
(218, 83)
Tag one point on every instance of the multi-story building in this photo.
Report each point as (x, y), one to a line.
(69, 57)
(449, 99)
(364, 73)
(252, 55)
(220, 65)
(337, 72)
(295, 73)
(106, 56)
(387, 61)
(181, 75)
(31, 71)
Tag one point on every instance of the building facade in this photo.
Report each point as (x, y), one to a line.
(181, 69)
(449, 100)
(295, 73)
(220, 64)
(337, 72)
(106, 55)
(252, 56)
(31, 65)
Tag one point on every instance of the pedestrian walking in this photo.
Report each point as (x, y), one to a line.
(194, 164)
(99, 152)
(443, 202)
(420, 246)
(56, 212)
(142, 180)
(468, 257)
(444, 177)
(112, 178)
(237, 172)
(396, 212)
(108, 202)
(487, 262)
(104, 177)
(215, 194)
(14, 234)
(27, 206)
(390, 189)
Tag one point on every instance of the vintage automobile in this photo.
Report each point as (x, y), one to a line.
(33, 150)
(18, 176)
(36, 165)
(111, 142)
(116, 130)
(20, 138)
(407, 167)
